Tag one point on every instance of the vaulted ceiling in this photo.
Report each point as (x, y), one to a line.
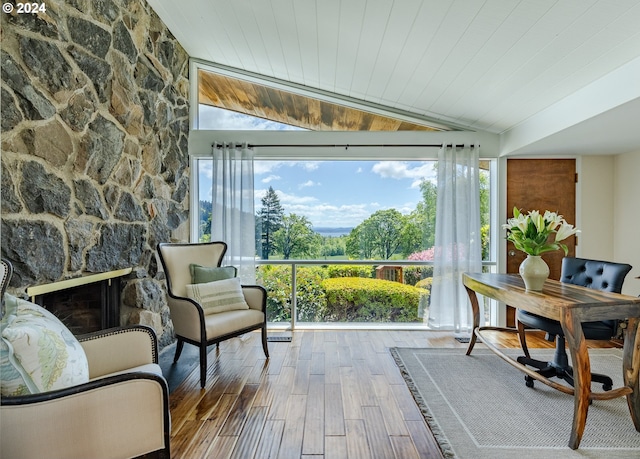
(548, 76)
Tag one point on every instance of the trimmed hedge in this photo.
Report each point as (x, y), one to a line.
(351, 271)
(356, 299)
(425, 283)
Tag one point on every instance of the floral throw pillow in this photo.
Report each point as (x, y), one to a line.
(37, 352)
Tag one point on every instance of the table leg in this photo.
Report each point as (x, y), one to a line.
(572, 328)
(475, 308)
(630, 368)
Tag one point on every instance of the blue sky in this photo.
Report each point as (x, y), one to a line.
(341, 193)
(328, 193)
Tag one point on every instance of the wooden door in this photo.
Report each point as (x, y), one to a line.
(541, 184)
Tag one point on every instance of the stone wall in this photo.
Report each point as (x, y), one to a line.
(94, 147)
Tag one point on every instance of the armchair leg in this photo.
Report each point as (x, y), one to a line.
(203, 364)
(179, 346)
(264, 341)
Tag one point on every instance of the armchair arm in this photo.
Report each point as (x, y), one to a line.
(187, 316)
(256, 297)
(118, 349)
(126, 415)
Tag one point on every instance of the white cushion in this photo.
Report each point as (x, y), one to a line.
(38, 353)
(218, 296)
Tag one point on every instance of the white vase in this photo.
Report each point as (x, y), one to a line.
(534, 271)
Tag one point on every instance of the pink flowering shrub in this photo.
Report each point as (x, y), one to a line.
(425, 255)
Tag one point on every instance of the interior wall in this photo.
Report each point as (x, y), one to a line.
(608, 190)
(626, 236)
(594, 207)
(95, 110)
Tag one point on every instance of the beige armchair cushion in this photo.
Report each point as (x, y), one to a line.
(230, 321)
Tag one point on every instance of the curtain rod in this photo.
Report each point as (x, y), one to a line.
(348, 145)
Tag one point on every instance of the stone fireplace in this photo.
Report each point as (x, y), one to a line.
(95, 164)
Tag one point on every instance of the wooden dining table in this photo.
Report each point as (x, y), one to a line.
(570, 305)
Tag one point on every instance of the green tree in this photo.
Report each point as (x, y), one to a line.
(270, 219)
(387, 226)
(332, 246)
(425, 213)
(295, 238)
(411, 235)
(360, 243)
(205, 221)
(380, 235)
(485, 196)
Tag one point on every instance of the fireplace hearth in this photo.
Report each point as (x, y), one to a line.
(84, 304)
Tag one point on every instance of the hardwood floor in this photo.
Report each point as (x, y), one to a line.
(326, 394)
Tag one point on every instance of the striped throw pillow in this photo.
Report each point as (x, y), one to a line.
(218, 296)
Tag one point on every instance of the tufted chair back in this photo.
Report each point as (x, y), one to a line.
(599, 275)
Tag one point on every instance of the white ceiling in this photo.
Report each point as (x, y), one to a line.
(549, 76)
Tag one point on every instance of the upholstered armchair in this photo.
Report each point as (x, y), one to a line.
(100, 395)
(206, 301)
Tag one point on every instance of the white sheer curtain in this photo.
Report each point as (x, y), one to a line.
(457, 239)
(233, 216)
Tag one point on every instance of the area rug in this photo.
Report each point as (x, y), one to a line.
(479, 407)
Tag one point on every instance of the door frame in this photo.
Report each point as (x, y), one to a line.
(499, 318)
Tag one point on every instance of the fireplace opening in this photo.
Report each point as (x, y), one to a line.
(79, 308)
(85, 304)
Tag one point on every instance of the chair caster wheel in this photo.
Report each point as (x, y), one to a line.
(607, 387)
(528, 380)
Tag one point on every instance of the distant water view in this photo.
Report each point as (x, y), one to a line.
(332, 232)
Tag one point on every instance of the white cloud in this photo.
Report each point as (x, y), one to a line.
(270, 178)
(292, 200)
(308, 183)
(321, 214)
(349, 215)
(400, 170)
(310, 165)
(265, 167)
